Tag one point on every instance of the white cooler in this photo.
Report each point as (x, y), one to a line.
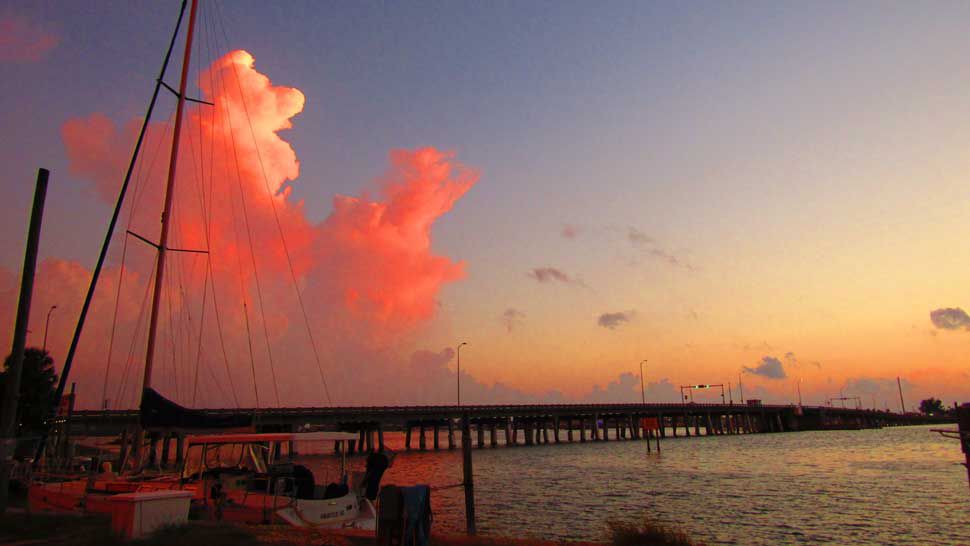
(134, 515)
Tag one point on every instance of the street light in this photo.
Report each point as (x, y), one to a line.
(459, 370)
(643, 397)
(48, 325)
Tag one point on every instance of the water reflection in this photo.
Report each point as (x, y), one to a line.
(895, 485)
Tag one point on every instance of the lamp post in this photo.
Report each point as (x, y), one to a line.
(643, 396)
(458, 350)
(48, 324)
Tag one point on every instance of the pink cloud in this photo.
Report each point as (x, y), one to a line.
(22, 40)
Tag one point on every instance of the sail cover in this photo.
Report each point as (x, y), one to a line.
(158, 411)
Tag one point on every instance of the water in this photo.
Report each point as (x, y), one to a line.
(901, 485)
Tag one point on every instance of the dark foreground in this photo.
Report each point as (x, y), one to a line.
(22, 529)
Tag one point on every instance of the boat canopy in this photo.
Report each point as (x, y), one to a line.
(254, 438)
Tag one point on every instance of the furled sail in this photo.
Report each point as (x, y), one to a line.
(158, 411)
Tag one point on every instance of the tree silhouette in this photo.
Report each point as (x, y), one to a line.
(931, 406)
(37, 386)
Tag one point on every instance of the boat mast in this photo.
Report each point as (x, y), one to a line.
(167, 208)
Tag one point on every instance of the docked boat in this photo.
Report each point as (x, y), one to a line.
(244, 478)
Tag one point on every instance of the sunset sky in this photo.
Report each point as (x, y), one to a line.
(769, 191)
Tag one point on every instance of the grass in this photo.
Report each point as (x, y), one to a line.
(647, 533)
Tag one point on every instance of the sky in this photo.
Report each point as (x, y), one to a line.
(768, 193)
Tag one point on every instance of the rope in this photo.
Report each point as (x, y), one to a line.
(286, 251)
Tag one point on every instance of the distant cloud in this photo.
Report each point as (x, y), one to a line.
(950, 318)
(614, 320)
(769, 367)
(552, 274)
(511, 318)
(637, 237)
(569, 231)
(648, 246)
(796, 363)
(21, 40)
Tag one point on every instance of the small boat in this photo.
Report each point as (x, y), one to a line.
(243, 478)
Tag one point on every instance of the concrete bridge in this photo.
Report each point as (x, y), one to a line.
(433, 427)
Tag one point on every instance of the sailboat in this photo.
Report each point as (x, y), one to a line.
(241, 476)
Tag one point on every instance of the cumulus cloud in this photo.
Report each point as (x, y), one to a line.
(769, 367)
(367, 272)
(511, 318)
(22, 40)
(950, 318)
(612, 321)
(626, 388)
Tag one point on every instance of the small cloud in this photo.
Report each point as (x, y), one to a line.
(950, 318)
(551, 274)
(512, 318)
(569, 231)
(648, 246)
(769, 367)
(638, 238)
(22, 40)
(612, 321)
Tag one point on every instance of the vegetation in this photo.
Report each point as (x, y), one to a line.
(37, 385)
(646, 533)
(932, 406)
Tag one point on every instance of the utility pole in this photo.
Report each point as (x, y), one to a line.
(643, 396)
(8, 410)
(740, 389)
(902, 404)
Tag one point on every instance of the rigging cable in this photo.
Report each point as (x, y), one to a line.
(286, 251)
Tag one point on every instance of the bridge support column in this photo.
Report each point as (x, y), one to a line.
(697, 425)
(152, 449)
(492, 434)
(663, 425)
(545, 430)
(508, 432)
(555, 429)
(618, 425)
(179, 449)
(434, 431)
(781, 425)
(451, 433)
(407, 436)
(596, 427)
(422, 442)
(481, 435)
(166, 437)
(380, 437)
(527, 427)
(370, 439)
(361, 437)
(515, 433)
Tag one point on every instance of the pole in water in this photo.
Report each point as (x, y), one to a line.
(11, 396)
(468, 481)
(901, 403)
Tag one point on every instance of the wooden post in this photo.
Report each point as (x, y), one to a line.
(11, 394)
(451, 434)
(468, 475)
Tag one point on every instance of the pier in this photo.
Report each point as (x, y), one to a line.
(434, 427)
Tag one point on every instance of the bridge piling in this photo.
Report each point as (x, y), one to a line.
(451, 434)
(434, 431)
(492, 434)
(407, 436)
(422, 442)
